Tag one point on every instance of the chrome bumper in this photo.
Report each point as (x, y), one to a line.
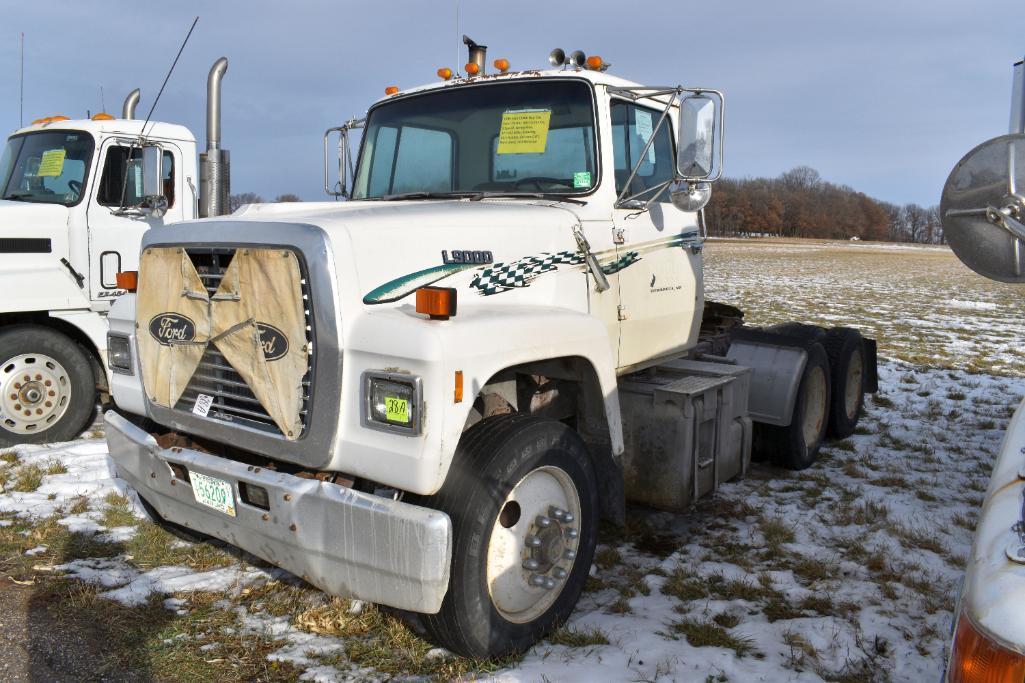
(342, 541)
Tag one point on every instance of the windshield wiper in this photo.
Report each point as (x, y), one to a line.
(553, 196)
(428, 195)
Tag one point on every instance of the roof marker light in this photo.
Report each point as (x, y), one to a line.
(391, 90)
(102, 116)
(444, 73)
(594, 62)
(471, 69)
(502, 64)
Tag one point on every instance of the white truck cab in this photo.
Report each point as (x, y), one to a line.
(428, 395)
(72, 216)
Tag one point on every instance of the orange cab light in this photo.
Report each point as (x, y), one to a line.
(594, 62)
(54, 119)
(977, 659)
(444, 73)
(127, 279)
(102, 116)
(472, 69)
(38, 121)
(502, 64)
(437, 302)
(459, 387)
(391, 90)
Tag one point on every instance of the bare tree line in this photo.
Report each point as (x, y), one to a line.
(799, 203)
(243, 198)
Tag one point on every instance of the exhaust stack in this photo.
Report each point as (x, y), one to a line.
(214, 163)
(1018, 99)
(478, 53)
(128, 108)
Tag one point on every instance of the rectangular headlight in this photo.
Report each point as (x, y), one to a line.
(119, 354)
(391, 402)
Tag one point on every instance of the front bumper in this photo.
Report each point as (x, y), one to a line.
(342, 541)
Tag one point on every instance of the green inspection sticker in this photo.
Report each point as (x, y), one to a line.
(396, 409)
(582, 179)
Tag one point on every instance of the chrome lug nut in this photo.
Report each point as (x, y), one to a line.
(531, 564)
(570, 554)
(572, 533)
(559, 573)
(568, 517)
(533, 542)
(537, 580)
(543, 521)
(549, 583)
(557, 513)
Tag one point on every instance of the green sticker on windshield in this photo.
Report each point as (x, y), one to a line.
(52, 163)
(396, 409)
(582, 179)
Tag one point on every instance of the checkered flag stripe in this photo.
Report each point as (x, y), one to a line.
(502, 277)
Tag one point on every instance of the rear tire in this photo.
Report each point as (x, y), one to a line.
(846, 353)
(796, 446)
(58, 398)
(519, 563)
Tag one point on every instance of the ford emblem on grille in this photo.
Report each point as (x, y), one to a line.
(168, 328)
(275, 343)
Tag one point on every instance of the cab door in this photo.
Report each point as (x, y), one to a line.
(660, 285)
(116, 223)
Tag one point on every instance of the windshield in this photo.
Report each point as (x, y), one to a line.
(47, 167)
(510, 138)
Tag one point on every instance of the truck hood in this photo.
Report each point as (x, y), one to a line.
(386, 250)
(27, 219)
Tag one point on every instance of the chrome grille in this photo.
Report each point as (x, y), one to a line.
(233, 400)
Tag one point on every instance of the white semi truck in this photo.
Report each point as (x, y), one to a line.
(983, 213)
(72, 216)
(427, 396)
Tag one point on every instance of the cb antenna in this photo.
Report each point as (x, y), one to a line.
(21, 94)
(168, 76)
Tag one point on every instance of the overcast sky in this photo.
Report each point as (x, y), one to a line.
(884, 96)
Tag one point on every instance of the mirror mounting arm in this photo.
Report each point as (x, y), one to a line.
(345, 165)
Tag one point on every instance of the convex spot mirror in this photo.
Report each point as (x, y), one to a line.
(983, 209)
(152, 180)
(701, 134)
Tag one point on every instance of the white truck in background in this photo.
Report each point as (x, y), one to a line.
(427, 396)
(72, 216)
(983, 213)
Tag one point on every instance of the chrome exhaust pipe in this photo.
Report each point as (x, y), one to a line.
(214, 164)
(128, 108)
(478, 53)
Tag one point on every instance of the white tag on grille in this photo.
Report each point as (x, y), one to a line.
(203, 403)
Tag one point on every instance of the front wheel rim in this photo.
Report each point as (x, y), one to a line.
(36, 393)
(533, 545)
(814, 406)
(852, 393)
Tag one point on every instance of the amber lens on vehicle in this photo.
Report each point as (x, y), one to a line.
(437, 302)
(502, 64)
(127, 279)
(594, 62)
(472, 69)
(445, 73)
(391, 90)
(458, 396)
(977, 659)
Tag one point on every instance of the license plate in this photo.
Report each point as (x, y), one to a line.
(213, 492)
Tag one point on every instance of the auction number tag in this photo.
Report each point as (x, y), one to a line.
(202, 405)
(396, 409)
(213, 492)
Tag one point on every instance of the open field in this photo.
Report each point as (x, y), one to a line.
(847, 571)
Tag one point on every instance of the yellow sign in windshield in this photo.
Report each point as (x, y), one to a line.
(524, 132)
(52, 163)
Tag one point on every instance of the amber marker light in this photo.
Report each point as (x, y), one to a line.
(437, 302)
(502, 64)
(594, 62)
(102, 116)
(977, 659)
(391, 90)
(127, 279)
(444, 73)
(54, 119)
(458, 396)
(472, 69)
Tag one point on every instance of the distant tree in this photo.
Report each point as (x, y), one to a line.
(237, 200)
(287, 197)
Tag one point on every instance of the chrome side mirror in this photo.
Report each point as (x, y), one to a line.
(153, 180)
(345, 158)
(699, 155)
(691, 196)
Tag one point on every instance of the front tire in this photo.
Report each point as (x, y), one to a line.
(47, 384)
(522, 496)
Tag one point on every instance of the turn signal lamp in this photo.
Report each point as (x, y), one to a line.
(437, 302)
(444, 73)
(391, 90)
(458, 393)
(472, 69)
(594, 62)
(977, 659)
(127, 279)
(102, 116)
(502, 64)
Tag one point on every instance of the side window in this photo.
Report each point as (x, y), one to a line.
(632, 127)
(122, 175)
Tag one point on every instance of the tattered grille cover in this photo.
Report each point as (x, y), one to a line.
(178, 319)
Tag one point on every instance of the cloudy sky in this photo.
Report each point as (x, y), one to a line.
(884, 96)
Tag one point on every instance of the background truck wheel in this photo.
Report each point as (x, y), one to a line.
(523, 500)
(846, 353)
(48, 387)
(796, 446)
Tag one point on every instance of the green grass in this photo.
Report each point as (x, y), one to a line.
(700, 633)
(578, 637)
